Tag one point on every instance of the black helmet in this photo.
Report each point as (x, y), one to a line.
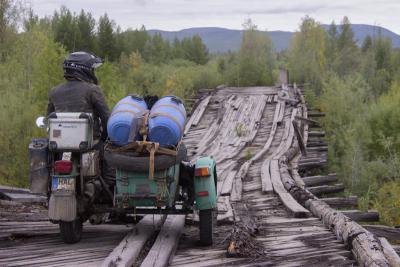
(81, 66)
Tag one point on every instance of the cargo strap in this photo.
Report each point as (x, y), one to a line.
(152, 115)
(129, 104)
(170, 106)
(143, 129)
(153, 148)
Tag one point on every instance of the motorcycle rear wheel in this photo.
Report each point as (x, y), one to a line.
(71, 232)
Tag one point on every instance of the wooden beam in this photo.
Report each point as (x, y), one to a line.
(316, 134)
(299, 139)
(389, 252)
(326, 189)
(126, 253)
(314, 114)
(365, 247)
(311, 165)
(316, 144)
(342, 202)
(362, 216)
(317, 149)
(166, 242)
(311, 123)
(319, 179)
(387, 232)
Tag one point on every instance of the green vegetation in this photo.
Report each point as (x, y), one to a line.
(358, 87)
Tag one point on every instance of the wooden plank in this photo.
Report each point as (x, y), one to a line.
(166, 242)
(387, 232)
(24, 198)
(341, 202)
(326, 189)
(361, 216)
(227, 185)
(126, 253)
(297, 210)
(266, 181)
(312, 123)
(197, 114)
(276, 177)
(316, 134)
(389, 252)
(299, 139)
(314, 114)
(319, 179)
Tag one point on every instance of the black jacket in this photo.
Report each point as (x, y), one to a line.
(79, 96)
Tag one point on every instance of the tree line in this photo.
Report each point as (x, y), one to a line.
(81, 32)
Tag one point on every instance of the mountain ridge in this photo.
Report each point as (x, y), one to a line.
(222, 40)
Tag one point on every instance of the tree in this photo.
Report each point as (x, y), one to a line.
(348, 59)
(65, 28)
(8, 26)
(307, 61)
(106, 38)
(331, 44)
(256, 57)
(86, 38)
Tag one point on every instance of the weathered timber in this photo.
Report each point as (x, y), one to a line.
(361, 216)
(126, 253)
(312, 165)
(365, 247)
(311, 123)
(314, 114)
(389, 252)
(166, 242)
(317, 149)
(341, 202)
(316, 134)
(319, 179)
(326, 189)
(316, 144)
(299, 139)
(197, 114)
(387, 232)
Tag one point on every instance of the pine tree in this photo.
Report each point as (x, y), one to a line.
(86, 37)
(348, 59)
(106, 38)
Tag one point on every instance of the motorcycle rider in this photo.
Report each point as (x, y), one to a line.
(81, 93)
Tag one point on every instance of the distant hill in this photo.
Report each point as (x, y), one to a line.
(220, 40)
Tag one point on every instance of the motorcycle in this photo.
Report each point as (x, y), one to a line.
(67, 165)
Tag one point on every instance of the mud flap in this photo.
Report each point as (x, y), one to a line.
(63, 206)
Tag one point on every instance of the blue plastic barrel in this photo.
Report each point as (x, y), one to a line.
(122, 118)
(167, 121)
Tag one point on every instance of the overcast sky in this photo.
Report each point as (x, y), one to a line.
(267, 14)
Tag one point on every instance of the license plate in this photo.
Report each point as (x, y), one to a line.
(63, 184)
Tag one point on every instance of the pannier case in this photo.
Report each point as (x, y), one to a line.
(70, 131)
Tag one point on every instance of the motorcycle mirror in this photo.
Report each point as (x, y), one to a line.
(41, 122)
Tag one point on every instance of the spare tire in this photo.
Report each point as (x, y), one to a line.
(132, 161)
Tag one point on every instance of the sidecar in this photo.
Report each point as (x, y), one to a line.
(174, 186)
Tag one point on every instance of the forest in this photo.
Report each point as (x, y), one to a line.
(357, 87)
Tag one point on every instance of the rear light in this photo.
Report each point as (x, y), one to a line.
(63, 166)
(202, 193)
(200, 172)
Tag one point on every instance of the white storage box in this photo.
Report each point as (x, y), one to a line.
(70, 131)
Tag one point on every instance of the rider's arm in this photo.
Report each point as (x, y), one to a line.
(50, 107)
(101, 109)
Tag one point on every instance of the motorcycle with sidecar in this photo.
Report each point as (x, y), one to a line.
(148, 179)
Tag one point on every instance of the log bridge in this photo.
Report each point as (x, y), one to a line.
(272, 210)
